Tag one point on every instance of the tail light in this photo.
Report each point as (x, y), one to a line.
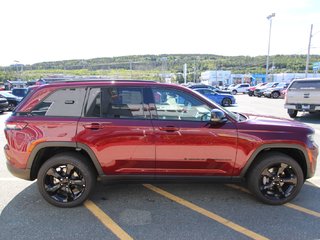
(15, 125)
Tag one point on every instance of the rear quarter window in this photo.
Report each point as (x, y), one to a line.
(62, 103)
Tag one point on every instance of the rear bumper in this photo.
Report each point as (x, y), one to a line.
(303, 107)
(18, 172)
(23, 173)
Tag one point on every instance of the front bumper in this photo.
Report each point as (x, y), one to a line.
(267, 94)
(4, 107)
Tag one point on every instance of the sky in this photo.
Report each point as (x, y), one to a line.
(41, 30)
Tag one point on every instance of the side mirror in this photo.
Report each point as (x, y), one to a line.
(218, 116)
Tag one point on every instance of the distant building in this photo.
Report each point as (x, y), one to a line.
(216, 77)
(288, 77)
(237, 78)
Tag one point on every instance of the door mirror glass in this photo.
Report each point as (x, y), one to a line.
(218, 116)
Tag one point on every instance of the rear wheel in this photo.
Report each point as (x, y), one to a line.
(292, 113)
(66, 179)
(226, 102)
(275, 179)
(234, 92)
(275, 94)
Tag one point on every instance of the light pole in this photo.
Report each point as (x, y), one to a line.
(267, 65)
(308, 55)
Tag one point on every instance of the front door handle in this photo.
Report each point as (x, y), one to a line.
(93, 126)
(169, 129)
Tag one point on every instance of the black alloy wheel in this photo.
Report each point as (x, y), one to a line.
(11, 106)
(226, 102)
(65, 180)
(277, 179)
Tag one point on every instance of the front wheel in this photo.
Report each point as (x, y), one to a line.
(11, 106)
(66, 179)
(234, 92)
(275, 179)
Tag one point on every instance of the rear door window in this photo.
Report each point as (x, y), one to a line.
(116, 102)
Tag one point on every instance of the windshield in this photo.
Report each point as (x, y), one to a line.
(269, 85)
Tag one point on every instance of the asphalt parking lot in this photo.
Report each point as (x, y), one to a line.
(163, 211)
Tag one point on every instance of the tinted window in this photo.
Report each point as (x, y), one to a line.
(176, 105)
(64, 102)
(312, 84)
(20, 92)
(121, 102)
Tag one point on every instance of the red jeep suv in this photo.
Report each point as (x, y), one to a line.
(67, 135)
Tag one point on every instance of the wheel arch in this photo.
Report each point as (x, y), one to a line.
(295, 151)
(43, 151)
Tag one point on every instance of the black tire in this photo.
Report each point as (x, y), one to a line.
(292, 113)
(11, 106)
(234, 92)
(226, 102)
(275, 179)
(250, 94)
(66, 179)
(275, 94)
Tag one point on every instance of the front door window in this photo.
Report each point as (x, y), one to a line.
(171, 104)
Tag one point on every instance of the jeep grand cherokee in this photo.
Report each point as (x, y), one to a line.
(67, 135)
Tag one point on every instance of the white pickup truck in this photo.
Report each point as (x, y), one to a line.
(303, 95)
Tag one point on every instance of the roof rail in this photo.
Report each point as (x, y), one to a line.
(98, 80)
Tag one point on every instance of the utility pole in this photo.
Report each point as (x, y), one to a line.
(308, 55)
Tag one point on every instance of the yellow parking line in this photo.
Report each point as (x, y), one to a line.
(302, 209)
(289, 205)
(106, 220)
(206, 213)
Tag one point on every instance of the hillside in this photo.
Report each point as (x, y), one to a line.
(150, 66)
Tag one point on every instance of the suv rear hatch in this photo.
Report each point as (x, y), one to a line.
(304, 92)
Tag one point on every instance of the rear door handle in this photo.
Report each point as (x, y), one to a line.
(169, 129)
